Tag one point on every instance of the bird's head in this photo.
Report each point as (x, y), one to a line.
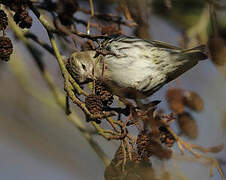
(80, 65)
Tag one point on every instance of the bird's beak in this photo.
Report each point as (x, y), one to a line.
(89, 78)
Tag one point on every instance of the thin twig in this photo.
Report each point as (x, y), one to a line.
(92, 8)
(128, 149)
(189, 147)
(124, 155)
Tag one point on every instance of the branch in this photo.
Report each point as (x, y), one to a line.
(214, 162)
(59, 97)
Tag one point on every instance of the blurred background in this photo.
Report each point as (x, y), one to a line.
(38, 142)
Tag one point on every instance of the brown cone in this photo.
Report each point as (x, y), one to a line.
(14, 5)
(135, 169)
(147, 146)
(94, 105)
(3, 20)
(105, 96)
(143, 141)
(175, 100)
(166, 137)
(6, 48)
(193, 101)
(188, 125)
(23, 19)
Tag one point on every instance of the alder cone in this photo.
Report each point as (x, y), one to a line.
(101, 91)
(23, 19)
(14, 5)
(175, 100)
(166, 137)
(188, 125)
(3, 20)
(147, 146)
(95, 106)
(135, 169)
(156, 149)
(193, 101)
(6, 48)
(119, 157)
(143, 142)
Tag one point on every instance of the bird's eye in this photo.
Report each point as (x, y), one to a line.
(84, 66)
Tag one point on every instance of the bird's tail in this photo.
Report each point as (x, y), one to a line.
(187, 59)
(197, 53)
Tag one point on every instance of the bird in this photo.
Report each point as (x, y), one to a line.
(132, 67)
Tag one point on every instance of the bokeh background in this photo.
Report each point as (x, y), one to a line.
(38, 142)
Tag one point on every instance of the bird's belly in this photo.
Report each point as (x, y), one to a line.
(140, 75)
(128, 73)
(132, 83)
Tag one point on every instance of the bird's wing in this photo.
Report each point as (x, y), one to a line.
(197, 53)
(131, 39)
(201, 48)
(161, 44)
